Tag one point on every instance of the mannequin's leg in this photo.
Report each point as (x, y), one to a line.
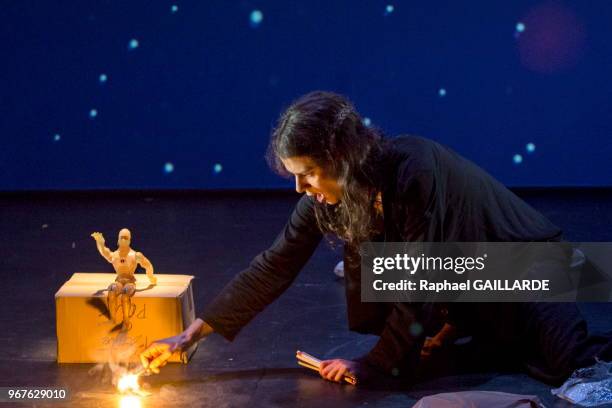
(113, 292)
(126, 302)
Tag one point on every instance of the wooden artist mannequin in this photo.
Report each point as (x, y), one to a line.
(124, 260)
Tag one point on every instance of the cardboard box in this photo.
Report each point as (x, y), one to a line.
(85, 333)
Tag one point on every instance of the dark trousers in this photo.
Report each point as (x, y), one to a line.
(550, 340)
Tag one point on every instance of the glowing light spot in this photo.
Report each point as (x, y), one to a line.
(256, 18)
(73, 245)
(517, 159)
(168, 168)
(128, 382)
(133, 44)
(45, 226)
(93, 113)
(103, 78)
(520, 27)
(130, 401)
(389, 9)
(395, 371)
(442, 92)
(57, 137)
(217, 168)
(530, 147)
(174, 8)
(367, 121)
(416, 329)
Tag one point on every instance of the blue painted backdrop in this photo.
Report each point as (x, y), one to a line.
(161, 94)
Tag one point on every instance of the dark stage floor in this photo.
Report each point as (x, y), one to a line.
(44, 238)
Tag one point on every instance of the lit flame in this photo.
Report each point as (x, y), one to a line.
(128, 383)
(129, 401)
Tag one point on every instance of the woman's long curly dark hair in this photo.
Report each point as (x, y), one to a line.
(325, 127)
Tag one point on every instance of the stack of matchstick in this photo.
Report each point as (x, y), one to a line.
(313, 363)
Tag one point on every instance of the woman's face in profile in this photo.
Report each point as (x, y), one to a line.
(313, 179)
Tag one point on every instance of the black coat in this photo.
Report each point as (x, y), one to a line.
(429, 193)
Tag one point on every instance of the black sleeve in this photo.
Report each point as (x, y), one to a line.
(400, 343)
(268, 275)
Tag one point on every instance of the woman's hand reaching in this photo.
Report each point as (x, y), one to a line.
(334, 370)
